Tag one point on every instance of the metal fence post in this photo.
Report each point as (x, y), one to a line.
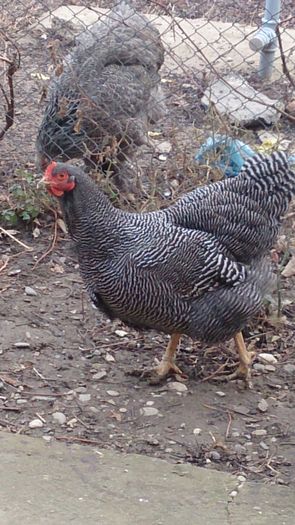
(265, 39)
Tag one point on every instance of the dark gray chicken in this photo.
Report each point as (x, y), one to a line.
(100, 106)
(173, 270)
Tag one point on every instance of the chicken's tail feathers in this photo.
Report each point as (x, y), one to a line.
(267, 171)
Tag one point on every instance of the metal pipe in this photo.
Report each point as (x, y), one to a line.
(265, 39)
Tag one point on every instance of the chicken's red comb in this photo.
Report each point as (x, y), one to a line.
(50, 168)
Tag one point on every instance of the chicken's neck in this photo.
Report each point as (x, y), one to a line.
(93, 222)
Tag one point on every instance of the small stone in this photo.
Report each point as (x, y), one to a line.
(113, 393)
(162, 157)
(109, 358)
(11, 273)
(164, 147)
(150, 403)
(94, 410)
(289, 368)
(149, 411)
(153, 442)
(121, 333)
(259, 367)
(59, 417)
(270, 368)
(273, 439)
(197, 431)
(79, 390)
(214, 455)
(262, 405)
(2, 387)
(179, 387)
(84, 398)
(259, 432)
(21, 344)
(241, 479)
(21, 401)
(123, 410)
(220, 393)
(47, 438)
(99, 375)
(267, 358)
(235, 434)
(263, 445)
(30, 291)
(36, 423)
(169, 450)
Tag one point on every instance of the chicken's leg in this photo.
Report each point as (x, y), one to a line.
(244, 369)
(166, 366)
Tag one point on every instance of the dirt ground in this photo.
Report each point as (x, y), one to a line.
(64, 368)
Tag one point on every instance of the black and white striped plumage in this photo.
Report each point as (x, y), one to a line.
(182, 269)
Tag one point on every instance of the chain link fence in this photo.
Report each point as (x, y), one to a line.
(133, 114)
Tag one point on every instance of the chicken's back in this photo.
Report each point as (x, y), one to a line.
(131, 29)
(244, 212)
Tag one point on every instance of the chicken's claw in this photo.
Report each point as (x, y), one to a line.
(157, 374)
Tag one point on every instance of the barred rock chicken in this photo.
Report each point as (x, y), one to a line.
(107, 94)
(196, 268)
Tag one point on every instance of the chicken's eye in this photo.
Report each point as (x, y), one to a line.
(61, 176)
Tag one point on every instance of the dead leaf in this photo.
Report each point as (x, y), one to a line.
(116, 415)
(59, 70)
(289, 269)
(9, 380)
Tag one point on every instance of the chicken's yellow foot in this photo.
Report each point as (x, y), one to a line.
(167, 365)
(244, 369)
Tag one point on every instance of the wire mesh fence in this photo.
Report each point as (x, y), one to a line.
(134, 92)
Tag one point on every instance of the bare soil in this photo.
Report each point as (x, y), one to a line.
(57, 354)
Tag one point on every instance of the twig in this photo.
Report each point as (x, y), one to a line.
(283, 58)
(11, 409)
(12, 68)
(229, 424)
(219, 369)
(74, 439)
(40, 417)
(47, 379)
(4, 266)
(38, 374)
(5, 288)
(51, 247)
(14, 238)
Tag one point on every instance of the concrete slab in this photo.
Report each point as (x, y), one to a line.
(194, 43)
(243, 105)
(55, 484)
